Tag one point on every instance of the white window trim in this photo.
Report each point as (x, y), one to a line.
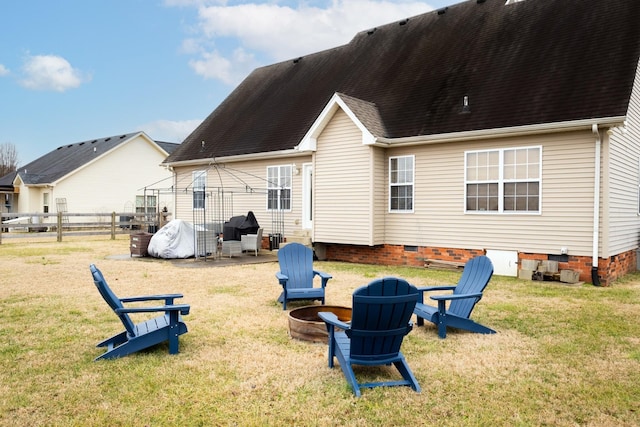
(501, 181)
(144, 207)
(412, 184)
(196, 175)
(279, 187)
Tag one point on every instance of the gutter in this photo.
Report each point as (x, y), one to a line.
(501, 132)
(595, 280)
(237, 158)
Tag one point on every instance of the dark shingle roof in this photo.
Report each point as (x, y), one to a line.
(169, 147)
(67, 158)
(532, 62)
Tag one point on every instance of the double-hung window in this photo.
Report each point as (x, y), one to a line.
(401, 176)
(199, 179)
(146, 205)
(279, 187)
(503, 181)
(45, 202)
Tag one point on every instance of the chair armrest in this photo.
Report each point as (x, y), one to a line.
(433, 288)
(168, 298)
(454, 297)
(282, 278)
(332, 319)
(323, 276)
(182, 308)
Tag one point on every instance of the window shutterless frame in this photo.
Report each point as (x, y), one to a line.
(199, 182)
(507, 180)
(279, 187)
(401, 183)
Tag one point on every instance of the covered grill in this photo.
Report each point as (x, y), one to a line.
(239, 225)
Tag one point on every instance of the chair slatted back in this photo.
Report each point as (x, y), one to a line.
(296, 261)
(381, 318)
(475, 277)
(111, 299)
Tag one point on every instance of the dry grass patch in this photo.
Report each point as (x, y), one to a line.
(563, 355)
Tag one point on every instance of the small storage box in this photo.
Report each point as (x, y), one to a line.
(139, 243)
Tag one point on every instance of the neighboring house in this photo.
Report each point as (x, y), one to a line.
(122, 173)
(507, 128)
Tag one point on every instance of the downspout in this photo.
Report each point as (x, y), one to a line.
(595, 280)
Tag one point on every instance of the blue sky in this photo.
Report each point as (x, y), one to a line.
(74, 70)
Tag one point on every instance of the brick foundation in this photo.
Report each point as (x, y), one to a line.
(396, 254)
(609, 269)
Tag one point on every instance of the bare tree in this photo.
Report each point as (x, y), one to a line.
(8, 158)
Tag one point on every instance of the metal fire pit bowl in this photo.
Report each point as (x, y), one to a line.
(306, 325)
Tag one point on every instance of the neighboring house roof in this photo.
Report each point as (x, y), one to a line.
(527, 63)
(67, 158)
(169, 147)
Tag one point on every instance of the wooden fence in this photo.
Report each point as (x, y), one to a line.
(64, 223)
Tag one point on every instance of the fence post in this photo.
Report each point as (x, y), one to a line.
(113, 226)
(59, 227)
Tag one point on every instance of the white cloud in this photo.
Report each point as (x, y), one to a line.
(170, 131)
(3, 70)
(213, 65)
(230, 38)
(51, 72)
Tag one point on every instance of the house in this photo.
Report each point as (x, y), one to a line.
(506, 128)
(121, 173)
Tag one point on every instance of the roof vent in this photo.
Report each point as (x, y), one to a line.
(95, 149)
(442, 11)
(107, 139)
(371, 31)
(94, 141)
(123, 136)
(202, 146)
(82, 143)
(295, 61)
(513, 1)
(480, 1)
(404, 21)
(465, 104)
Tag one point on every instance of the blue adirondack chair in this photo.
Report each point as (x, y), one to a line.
(296, 275)
(136, 337)
(475, 277)
(381, 317)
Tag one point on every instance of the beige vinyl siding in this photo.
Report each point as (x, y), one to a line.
(379, 187)
(184, 197)
(343, 199)
(439, 219)
(621, 187)
(246, 182)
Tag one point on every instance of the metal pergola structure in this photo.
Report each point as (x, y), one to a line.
(218, 207)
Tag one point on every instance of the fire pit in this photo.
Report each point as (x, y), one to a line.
(306, 325)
